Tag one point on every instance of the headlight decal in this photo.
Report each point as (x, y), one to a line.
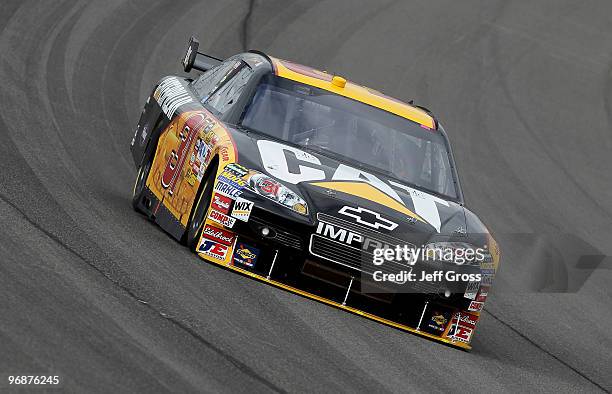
(272, 189)
(235, 178)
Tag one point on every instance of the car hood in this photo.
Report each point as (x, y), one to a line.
(333, 188)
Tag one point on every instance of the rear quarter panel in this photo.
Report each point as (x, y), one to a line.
(185, 149)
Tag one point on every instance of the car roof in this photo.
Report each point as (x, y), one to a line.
(323, 80)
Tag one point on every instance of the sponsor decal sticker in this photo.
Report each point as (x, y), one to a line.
(227, 189)
(171, 94)
(475, 306)
(224, 153)
(242, 209)
(175, 162)
(144, 134)
(236, 169)
(213, 249)
(232, 180)
(218, 235)
(210, 124)
(210, 138)
(205, 158)
(471, 290)
(191, 177)
(438, 322)
(202, 152)
(221, 218)
(462, 327)
(221, 203)
(482, 293)
(245, 255)
(487, 279)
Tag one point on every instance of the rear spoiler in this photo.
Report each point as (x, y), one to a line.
(199, 61)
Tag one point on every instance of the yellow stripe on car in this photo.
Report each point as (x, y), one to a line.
(351, 90)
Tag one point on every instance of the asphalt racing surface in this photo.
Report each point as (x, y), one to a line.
(92, 292)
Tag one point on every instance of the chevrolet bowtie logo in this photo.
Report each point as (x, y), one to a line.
(368, 218)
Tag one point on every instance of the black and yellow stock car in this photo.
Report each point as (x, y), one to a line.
(299, 178)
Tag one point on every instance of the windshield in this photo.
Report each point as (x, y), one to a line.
(320, 120)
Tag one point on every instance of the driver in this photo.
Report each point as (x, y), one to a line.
(408, 161)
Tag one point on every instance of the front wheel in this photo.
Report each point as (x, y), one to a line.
(198, 214)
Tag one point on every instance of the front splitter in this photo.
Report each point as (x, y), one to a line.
(261, 278)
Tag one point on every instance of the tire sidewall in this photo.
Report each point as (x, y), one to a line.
(200, 209)
(140, 183)
(143, 175)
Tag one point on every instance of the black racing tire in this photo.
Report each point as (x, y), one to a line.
(140, 185)
(200, 208)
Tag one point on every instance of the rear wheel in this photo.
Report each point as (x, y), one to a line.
(140, 185)
(198, 213)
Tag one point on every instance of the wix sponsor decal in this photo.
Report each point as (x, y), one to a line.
(242, 209)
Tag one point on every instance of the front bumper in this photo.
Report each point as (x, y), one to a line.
(285, 261)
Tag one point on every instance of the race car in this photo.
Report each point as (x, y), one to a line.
(317, 185)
